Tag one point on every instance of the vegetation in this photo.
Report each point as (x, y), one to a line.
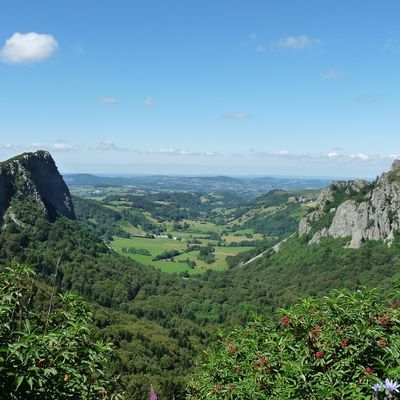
(47, 355)
(158, 323)
(134, 250)
(206, 254)
(334, 348)
(140, 218)
(280, 223)
(166, 254)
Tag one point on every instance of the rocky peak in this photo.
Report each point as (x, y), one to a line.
(358, 210)
(34, 177)
(393, 174)
(395, 166)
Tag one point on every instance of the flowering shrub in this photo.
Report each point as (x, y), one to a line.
(333, 348)
(47, 355)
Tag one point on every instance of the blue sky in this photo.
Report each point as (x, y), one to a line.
(301, 87)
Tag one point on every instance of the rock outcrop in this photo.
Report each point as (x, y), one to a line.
(34, 177)
(358, 210)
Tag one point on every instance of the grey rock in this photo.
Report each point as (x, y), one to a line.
(374, 216)
(34, 176)
(304, 227)
(318, 236)
(395, 166)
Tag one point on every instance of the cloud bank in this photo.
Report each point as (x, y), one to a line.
(58, 147)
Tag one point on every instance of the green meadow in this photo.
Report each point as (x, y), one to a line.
(177, 264)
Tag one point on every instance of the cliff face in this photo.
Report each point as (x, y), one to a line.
(358, 210)
(34, 176)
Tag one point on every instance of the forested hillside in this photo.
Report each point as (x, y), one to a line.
(160, 323)
(171, 319)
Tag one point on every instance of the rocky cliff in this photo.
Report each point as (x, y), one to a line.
(34, 177)
(358, 210)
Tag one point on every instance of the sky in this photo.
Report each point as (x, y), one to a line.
(203, 87)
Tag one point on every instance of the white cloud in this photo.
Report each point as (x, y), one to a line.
(391, 45)
(28, 48)
(261, 48)
(388, 45)
(333, 154)
(302, 42)
(237, 115)
(40, 146)
(179, 152)
(149, 101)
(78, 49)
(110, 100)
(108, 145)
(62, 147)
(332, 74)
(361, 156)
(365, 98)
(253, 36)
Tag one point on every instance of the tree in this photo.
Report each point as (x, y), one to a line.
(51, 354)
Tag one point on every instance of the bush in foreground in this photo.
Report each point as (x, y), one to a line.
(333, 348)
(47, 355)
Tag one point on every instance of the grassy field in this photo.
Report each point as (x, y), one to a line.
(133, 230)
(199, 230)
(236, 237)
(202, 226)
(158, 245)
(155, 246)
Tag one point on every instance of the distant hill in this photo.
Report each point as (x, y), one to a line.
(246, 187)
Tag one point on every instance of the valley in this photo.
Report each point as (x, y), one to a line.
(199, 200)
(164, 271)
(189, 232)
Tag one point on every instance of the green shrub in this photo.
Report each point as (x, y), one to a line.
(47, 355)
(334, 348)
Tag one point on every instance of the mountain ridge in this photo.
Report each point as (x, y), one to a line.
(358, 210)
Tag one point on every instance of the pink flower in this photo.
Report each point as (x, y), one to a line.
(153, 394)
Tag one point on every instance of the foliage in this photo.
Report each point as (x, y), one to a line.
(170, 206)
(324, 222)
(280, 223)
(166, 254)
(136, 250)
(334, 348)
(206, 253)
(47, 355)
(159, 323)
